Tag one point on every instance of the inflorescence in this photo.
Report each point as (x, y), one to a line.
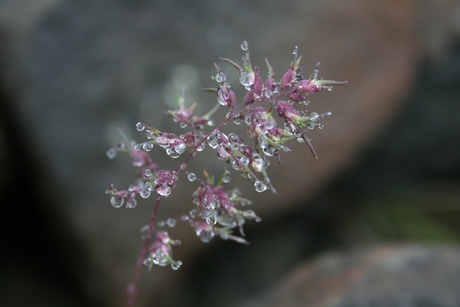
(274, 114)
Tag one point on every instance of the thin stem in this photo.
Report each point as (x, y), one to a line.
(133, 287)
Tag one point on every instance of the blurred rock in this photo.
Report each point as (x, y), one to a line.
(78, 70)
(399, 275)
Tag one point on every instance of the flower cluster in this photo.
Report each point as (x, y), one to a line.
(274, 113)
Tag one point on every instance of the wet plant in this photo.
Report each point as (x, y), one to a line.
(274, 112)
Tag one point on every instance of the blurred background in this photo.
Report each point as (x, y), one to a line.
(373, 222)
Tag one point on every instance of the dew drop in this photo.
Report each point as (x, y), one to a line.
(117, 202)
(171, 222)
(148, 173)
(176, 265)
(227, 176)
(172, 153)
(160, 223)
(211, 218)
(131, 204)
(147, 146)
(180, 148)
(244, 79)
(162, 141)
(111, 153)
(145, 192)
(164, 190)
(227, 220)
(211, 122)
(247, 119)
(220, 77)
(138, 146)
(244, 46)
(184, 218)
(140, 126)
(270, 123)
(183, 124)
(268, 93)
(244, 160)
(191, 177)
(192, 213)
(147, 262)
(260, 186)
(237, 119)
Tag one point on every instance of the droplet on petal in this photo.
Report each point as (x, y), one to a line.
(164, 190)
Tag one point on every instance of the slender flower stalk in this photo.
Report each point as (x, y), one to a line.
(274, 112)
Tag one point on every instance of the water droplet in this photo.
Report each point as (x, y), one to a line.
(211, 218)
(180, 148)
(213, 140)
(176, 265)
(145, 192)
(205, 236)
(148, 173)
(182, 124)
(268, 93)
(131, 204)
(140, 126)
(159, 258)
(162, 141)
(270, 123)
(160, 223)
(220, 77)
(148, 262)
(191, 177)
(147, 146)
(111, 153)
(260, 186)
(184, 218)
(211, 122)
(164, 190)
(244, 46)
(245, 79)
(244, 160)
(117, 202)
(171, 222)
(227, 220)
(237, 119)
(250, 214)
(247, 119)
(145, 232)
(226, 177)
(172, 153)
(192, 213)
(138, 146)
